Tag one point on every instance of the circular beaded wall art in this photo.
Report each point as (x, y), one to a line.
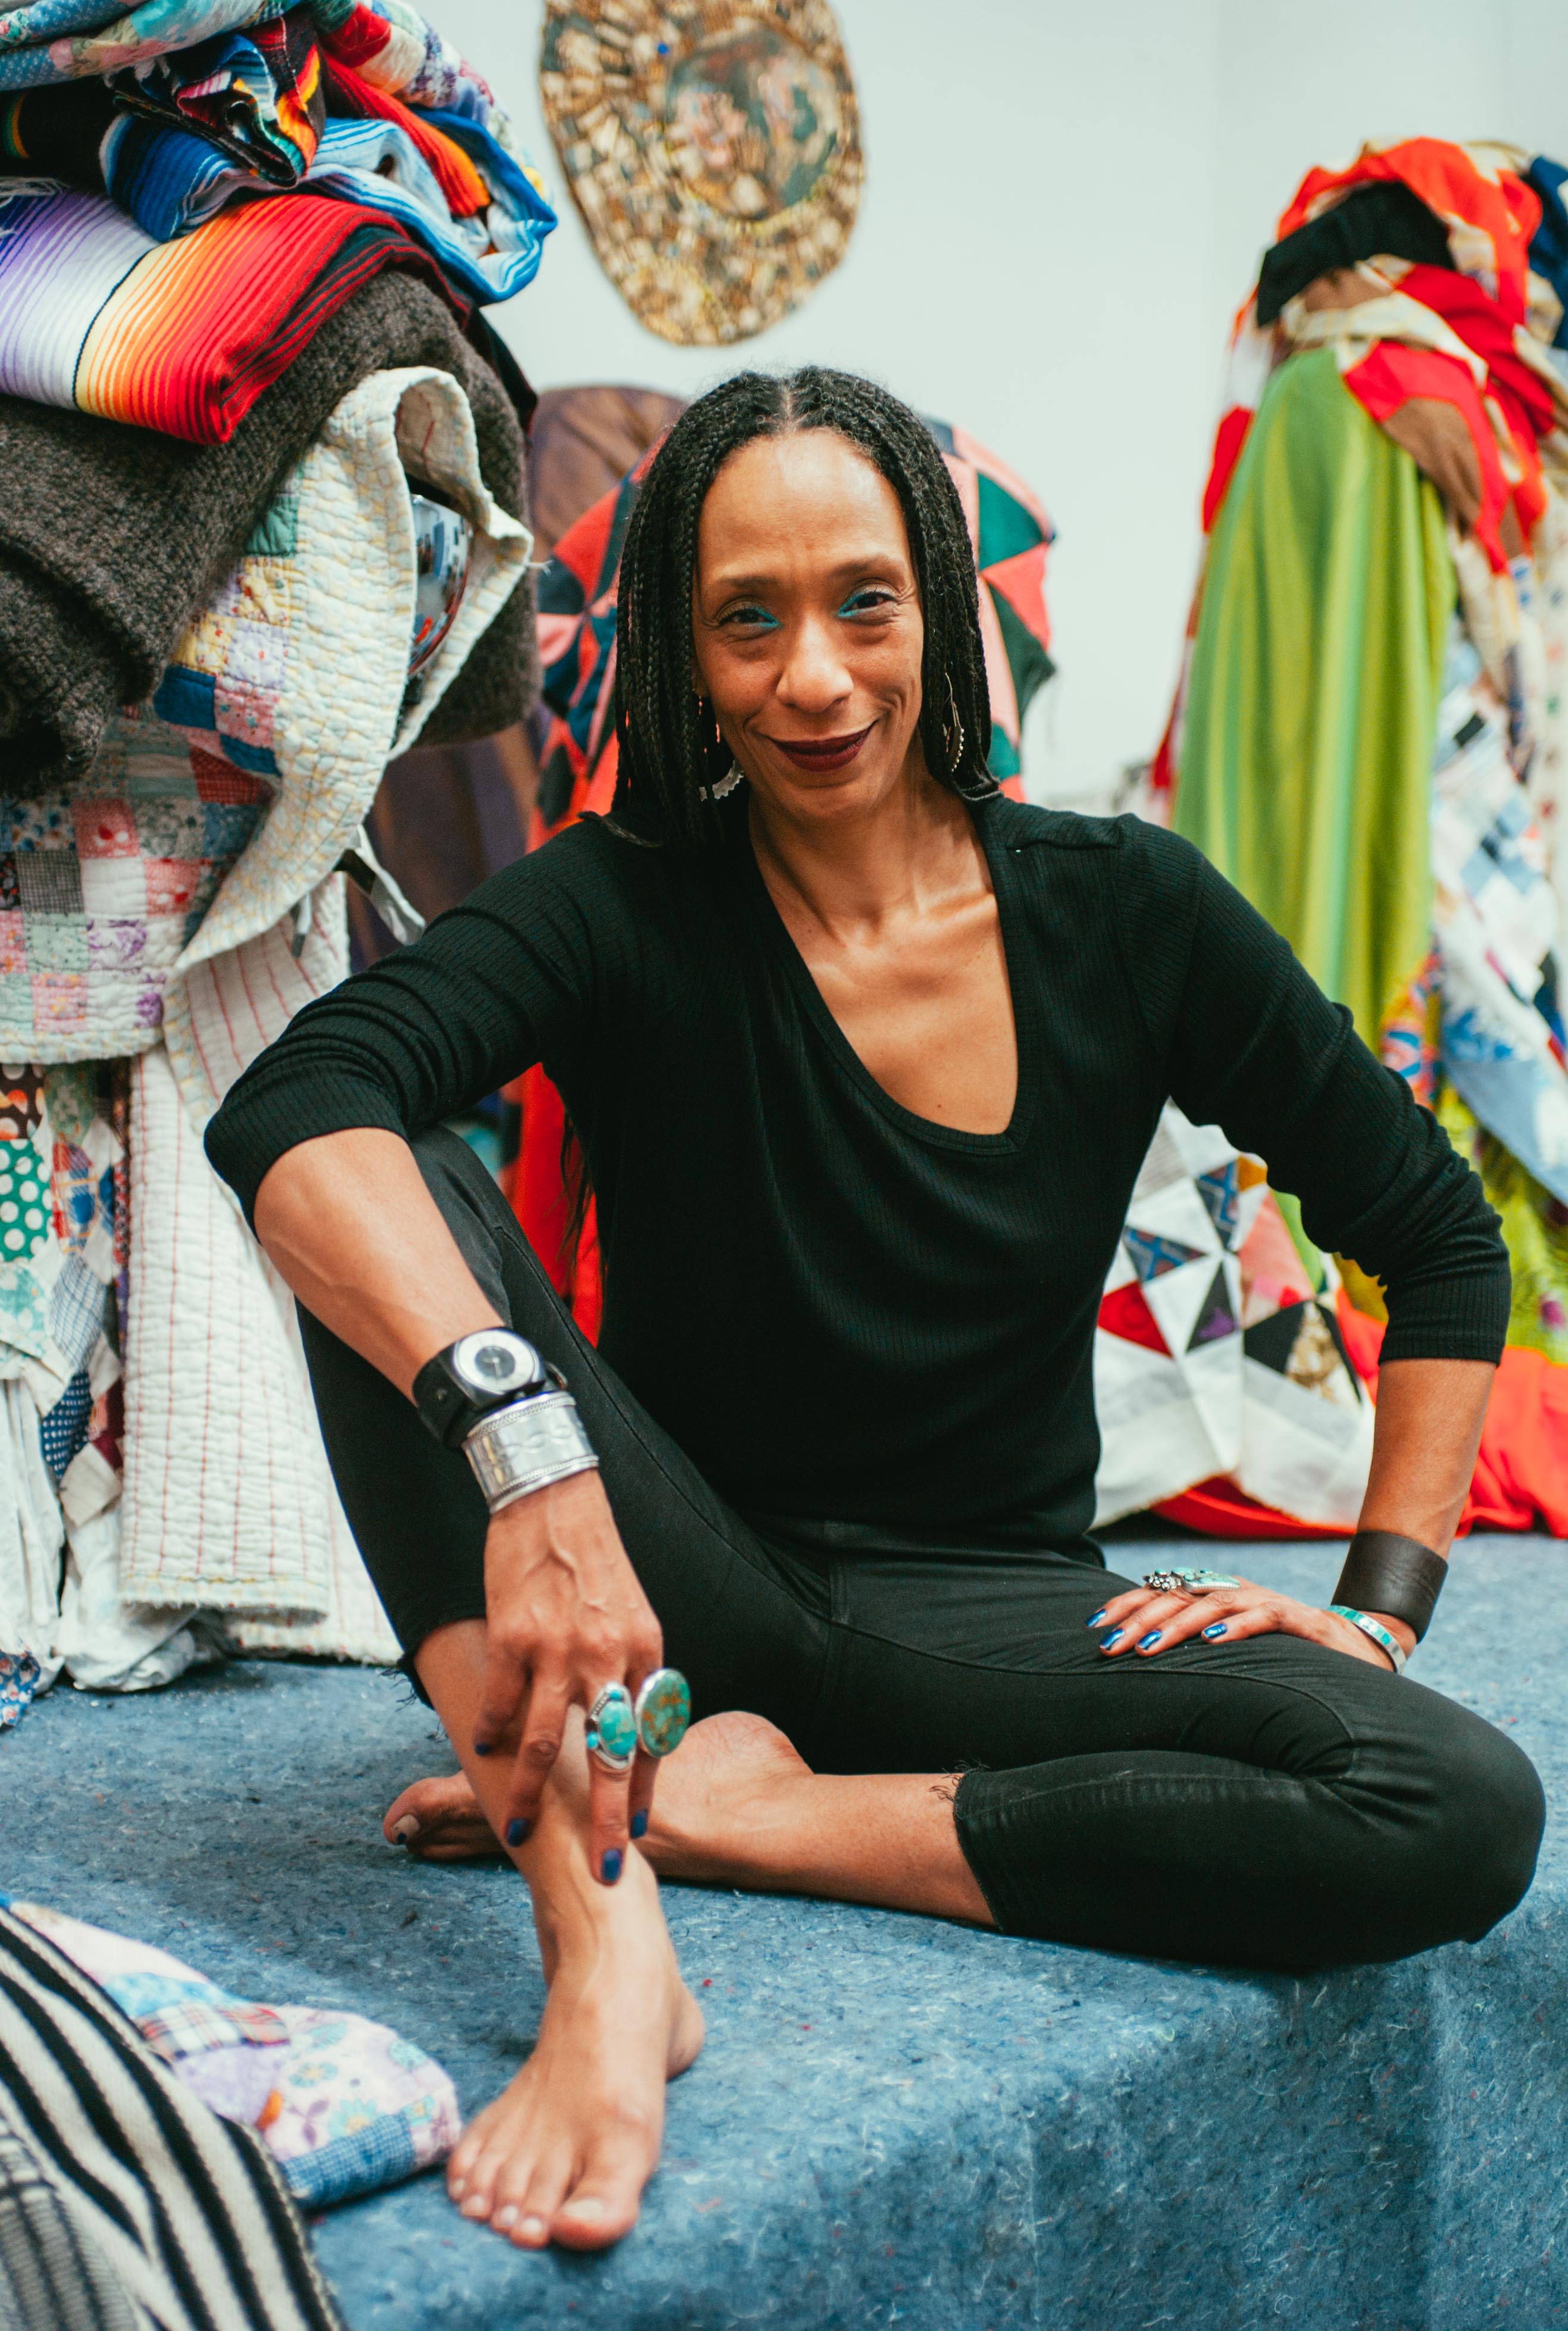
(713, 148)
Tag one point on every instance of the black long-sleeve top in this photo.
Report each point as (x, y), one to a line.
(841, 1310)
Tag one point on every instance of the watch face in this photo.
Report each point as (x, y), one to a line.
(494, 1363)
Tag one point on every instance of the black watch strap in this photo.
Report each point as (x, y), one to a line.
(486, 1370)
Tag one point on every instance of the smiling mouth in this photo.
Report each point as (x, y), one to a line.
(822, 752)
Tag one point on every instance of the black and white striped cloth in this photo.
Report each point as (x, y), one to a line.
(125, 2203)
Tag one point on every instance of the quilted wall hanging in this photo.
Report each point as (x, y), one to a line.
(713, 150)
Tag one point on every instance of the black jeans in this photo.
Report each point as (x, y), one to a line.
(1269, 1804)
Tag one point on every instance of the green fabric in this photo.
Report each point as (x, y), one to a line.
(1534, 1229)
(1311, 710)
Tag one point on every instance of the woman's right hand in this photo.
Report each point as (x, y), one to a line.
(565, 1615)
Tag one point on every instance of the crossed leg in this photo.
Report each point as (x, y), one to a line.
(737, 1806)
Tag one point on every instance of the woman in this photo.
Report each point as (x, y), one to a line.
(864, 1059)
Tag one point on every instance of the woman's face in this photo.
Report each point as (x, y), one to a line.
(807, 626)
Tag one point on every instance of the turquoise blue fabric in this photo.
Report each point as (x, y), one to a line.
(896, 2121)
(172, 182)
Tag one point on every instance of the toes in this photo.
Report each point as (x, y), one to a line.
(528, 2197)
(431, 1804)
(603, 2204)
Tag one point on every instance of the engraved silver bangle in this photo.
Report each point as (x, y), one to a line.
(526, 1446)
(1393, 1650)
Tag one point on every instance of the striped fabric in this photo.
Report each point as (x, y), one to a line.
(178, 337)
(172, 182)
(126, 2202)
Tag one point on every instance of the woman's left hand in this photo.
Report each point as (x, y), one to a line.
(1148, 1621)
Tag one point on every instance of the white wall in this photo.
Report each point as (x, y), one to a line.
(1064, 204)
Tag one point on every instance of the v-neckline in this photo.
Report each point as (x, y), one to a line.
(1021, 991)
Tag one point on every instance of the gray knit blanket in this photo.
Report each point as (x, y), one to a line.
(112, 537)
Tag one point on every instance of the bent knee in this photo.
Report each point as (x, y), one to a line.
(1473, 1842)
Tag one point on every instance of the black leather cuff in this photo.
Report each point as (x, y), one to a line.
(1396, 1576)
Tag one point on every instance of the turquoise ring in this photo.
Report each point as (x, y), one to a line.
(664, 1712)
(1188, 1582)
(611, 1729)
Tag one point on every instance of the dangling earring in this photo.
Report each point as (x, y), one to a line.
(728, 782)
(953, 732)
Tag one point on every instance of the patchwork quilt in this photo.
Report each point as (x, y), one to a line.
(174, 909)
(1218, 1352)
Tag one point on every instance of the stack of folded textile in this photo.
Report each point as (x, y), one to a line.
(262, 523)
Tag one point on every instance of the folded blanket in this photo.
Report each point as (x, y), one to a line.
(112, 538)
(256, 95)
(179, 337)
(387, 41)
(345, 2106)
(171, 182)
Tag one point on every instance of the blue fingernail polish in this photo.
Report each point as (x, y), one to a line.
(481, 1748)
(1114, 1637)
(610, 1867)
(517, 1831)
(639, 1824)
(1146, 1643)
(1217, 1629)
(1097, 1621)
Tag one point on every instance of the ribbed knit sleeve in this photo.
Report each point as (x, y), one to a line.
(503, 981)
(1251, 1043)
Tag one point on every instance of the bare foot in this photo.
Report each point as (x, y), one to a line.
(564, 2153)
(441, 1820)
(703, 1790)
(727, 1782)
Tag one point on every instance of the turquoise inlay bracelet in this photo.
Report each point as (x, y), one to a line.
(1374, 1632)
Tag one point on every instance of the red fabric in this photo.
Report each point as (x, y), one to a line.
(1392, 374)
(1521, 1477)
(349, 93)
(1219, 1509)
(1504, 209)
(1125, 1312)
(1228, 439)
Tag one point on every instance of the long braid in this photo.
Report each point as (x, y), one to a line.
(671, 755)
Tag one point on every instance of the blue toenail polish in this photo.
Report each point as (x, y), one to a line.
(1097, 1621)
(1217, 1629)
(517, 1831)
(639, 1824)
(1146, 1643)
(1114, 1637)
(610, 1867)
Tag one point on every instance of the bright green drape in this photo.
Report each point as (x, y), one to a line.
(1307, 749)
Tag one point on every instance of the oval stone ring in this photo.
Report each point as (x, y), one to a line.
(612, 1735)
(1188, 1582)
(664, 1712)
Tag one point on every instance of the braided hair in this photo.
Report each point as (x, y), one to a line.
(671, 755)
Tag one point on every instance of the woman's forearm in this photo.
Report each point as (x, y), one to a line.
(347, 1220)
(1430, 1414)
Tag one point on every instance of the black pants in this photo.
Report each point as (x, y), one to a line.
(1269, 1804)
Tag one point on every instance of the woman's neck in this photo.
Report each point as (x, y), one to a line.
(863, 868)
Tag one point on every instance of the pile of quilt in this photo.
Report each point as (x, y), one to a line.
(262, 523)
(144, 155)
(1370, 734)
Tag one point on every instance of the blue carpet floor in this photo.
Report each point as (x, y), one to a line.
(895, 2121)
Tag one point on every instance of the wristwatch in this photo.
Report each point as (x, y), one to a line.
(491, 1369)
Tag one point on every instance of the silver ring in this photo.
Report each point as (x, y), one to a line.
(611, 1733)
(1188, 1582)
(663, 1711)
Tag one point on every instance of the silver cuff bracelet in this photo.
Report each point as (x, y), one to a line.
(525, 1447)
